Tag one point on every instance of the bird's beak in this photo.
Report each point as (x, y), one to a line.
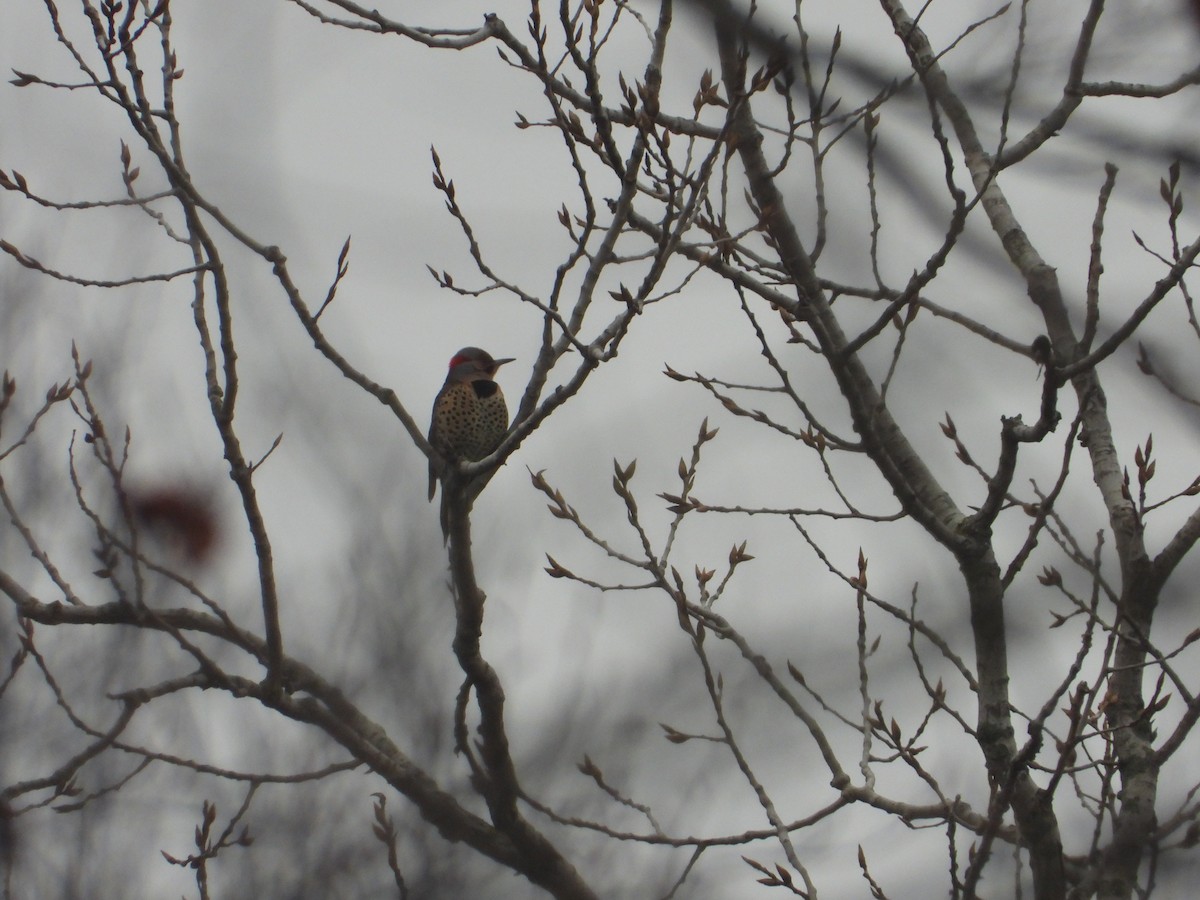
(499, 362)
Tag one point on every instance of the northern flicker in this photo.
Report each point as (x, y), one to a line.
(469, 416)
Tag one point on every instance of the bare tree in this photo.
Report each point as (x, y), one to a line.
(862, 212)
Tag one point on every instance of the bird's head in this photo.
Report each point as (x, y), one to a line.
(471, 364)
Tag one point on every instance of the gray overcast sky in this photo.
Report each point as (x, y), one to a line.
(305, 135)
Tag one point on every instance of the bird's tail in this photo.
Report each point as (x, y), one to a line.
(444, 515)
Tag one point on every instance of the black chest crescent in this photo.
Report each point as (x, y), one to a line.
(484, 388)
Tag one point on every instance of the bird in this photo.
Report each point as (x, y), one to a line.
(469, 418)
